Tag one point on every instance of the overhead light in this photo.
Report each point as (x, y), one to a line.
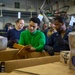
(1, 4)
(19, 14)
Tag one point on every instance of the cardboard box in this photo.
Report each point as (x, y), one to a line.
(8, 54)
(18, 73)
(35, 58)
(11, 54)
(15, 64)
(47, 69)
(3, 73)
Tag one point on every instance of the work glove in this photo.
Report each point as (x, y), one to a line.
(49, 49)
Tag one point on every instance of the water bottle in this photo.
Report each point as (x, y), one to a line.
(2, 66)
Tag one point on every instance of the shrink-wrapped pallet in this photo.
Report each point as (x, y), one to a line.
(3, 43)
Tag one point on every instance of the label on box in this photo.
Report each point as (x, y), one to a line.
(65, 56)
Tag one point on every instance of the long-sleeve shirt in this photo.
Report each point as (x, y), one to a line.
(14, 34)
(57, 42)
(35, 39)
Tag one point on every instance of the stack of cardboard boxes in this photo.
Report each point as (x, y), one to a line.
(56, 68)
(9, 56)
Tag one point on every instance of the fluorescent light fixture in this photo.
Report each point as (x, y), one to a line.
(19, 14)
